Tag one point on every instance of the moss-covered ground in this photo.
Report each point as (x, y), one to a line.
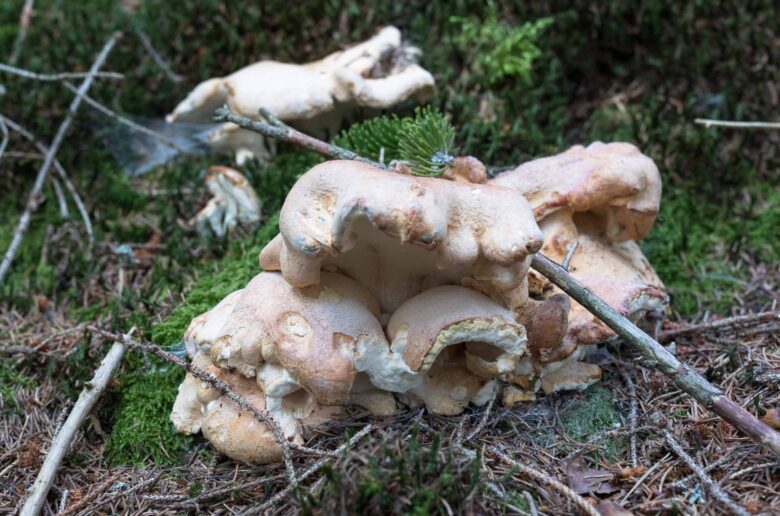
(516, 79)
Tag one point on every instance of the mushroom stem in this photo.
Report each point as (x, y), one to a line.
(280, 131)
(685, 378)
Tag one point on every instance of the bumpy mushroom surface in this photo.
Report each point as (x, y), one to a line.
(604, 197)
(234, 203)
(315, 97)
(399, 235)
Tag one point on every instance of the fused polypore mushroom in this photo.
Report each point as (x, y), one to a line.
(199, 407)
(315, 97)
(448, 344)
(234, 203)
(602, 198)
(399, 235)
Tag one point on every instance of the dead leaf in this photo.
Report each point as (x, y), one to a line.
(584, 480)
(607, 508)
(772, 418)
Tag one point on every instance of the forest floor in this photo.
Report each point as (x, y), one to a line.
(603, 72)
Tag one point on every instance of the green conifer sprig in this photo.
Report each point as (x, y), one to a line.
(423, 142)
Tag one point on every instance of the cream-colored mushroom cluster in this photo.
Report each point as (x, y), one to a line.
(314, 97)
(384, 288)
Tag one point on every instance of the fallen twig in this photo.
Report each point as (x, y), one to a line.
(707, 122)
(712, 487)
(545, 479)
(721, 324)
(6, 136)
(43, 172)
(685, 378)
(569, 255)
(632, 415)
(161, 63)
(62, 441)
(97, 491)
(222, 387)
(682, 375)
(21, 72)
(44, 150)
(280, 131)
(24, 24)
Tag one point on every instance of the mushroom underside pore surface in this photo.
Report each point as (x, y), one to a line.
(385, 288)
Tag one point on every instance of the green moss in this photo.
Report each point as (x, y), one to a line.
(12, 379)
(592, 414)
(142, 430)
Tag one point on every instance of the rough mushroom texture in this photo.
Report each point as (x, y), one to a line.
(604, 197)
(399, 235)
(315, 97)
(384, 287)
(234, 203)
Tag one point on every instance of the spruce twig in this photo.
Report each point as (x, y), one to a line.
(682, 375)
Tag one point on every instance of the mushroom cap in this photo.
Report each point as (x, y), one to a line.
(617, 272)
(310, 332)
(399, 234)
(614, 181)
(423, 331)
(232, 431)
(443, 316)
(234, 202)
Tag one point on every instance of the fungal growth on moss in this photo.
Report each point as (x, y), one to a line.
(385, 288)
(314, 97)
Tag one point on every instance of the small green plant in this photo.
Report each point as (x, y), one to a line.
(499, 50)
(592, 415)
(423, 142)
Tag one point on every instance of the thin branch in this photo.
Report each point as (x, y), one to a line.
(220, 386)
(685, 378)
(309, 472)
(44, 150)
(125, 121)
(6, 136)
(280, 131)
(545, 479)
(43, 172)
(24, 24)
(632, 414)
(63, 204)
(62, 441)
(721, 324)
(713, 488)
(161, 63)
(21, 72)
(569, 255)
(707, 122)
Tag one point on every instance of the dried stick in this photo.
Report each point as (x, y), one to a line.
(707, 122)
(632, 415)
(62, 441)
(43, 172)
(222, 387)
(24, 24)
(63, 205)
(685, 378)
(6, 136)
(720, 324)
(280, 131)
(125, 121)
(147, 43)
(309, 472)
(545, 479)
(21, 72)
(74, 194)
(713, 488)
(569, 255)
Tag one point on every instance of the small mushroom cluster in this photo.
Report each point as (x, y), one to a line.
(386, 288)
(314, 97)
